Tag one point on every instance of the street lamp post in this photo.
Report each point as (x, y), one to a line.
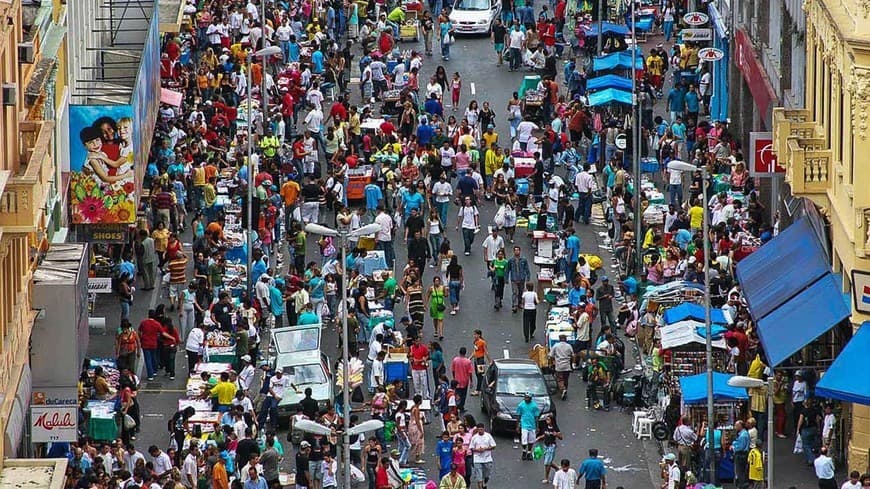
(708, 327)
(753, 383)
(635, 147)
(264, 53)
(345, 353)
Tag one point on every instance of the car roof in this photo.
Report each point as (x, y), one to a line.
(516, 365)
(294, 339)
(298, 358)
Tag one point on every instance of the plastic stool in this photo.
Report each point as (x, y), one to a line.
(644, 430)
(638, 415)
(329, 88)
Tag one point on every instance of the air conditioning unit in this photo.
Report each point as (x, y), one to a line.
(9, 94)
(26, 53)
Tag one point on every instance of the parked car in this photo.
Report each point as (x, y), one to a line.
(507, 381)
(474, 16)
(296, 351)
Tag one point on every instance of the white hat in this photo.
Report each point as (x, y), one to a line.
(246, 358)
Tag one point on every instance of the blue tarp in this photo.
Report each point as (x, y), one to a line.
(802, 319)
(608, 28)
(843, 381)
(609, 81)
(617, 61)
(781, 268)
(604, 97)
(644, 24)
(689, 310)
(694, 389)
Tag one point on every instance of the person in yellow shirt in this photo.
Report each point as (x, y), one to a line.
(492, 161)
(756, 468)
(224, 391)
(490, 137)
(290, 195)
(696, 216)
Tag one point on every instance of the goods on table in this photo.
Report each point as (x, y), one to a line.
(110, 370)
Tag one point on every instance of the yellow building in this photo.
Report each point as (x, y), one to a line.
(824, 148)
(29, 181)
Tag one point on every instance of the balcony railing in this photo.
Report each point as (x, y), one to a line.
(22, 203)
(809, 166)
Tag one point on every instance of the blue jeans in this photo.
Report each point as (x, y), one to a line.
(267, 410)
(584, 208)
(389, 254)
(445, 50)
(676, 194)
(125, 309)
(454, 287)
(669, 29)
(507, 17)
(151, 360)
(516, 60)
(404, 447)
(467, 238)
(442, 213)
(285, 50)
(318, 136)
(808, 439)
(435, 245)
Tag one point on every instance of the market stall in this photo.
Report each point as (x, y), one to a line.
(356, 180)
(220, 347)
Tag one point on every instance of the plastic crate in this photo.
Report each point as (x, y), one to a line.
(396, 371)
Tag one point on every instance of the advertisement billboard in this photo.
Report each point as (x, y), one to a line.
(102, 155)
(146, 96)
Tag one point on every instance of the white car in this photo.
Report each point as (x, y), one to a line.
(474, 16)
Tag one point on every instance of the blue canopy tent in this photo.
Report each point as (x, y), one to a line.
(644, 23)
(694, 389)
(620, 60)
(843, 381)
(607, 28)
(690, 310)
(604, 97)
(609, 81)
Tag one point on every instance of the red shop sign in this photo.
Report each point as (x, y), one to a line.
(753, 73)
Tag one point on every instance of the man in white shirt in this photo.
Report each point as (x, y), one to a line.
(246, 376)
(674, 473)
(491, 245)
(524, 132)
(824, 466)
(854, 481)
(583, 182)
(162, 462)
(190, 468)
(254, 463)
(376, 379)
(245, 402)
(442, 190)
(675, 187)
(131, 456)
(384, 236)
(516, 40)
(481, 445)
(566, 477)
(467, 219)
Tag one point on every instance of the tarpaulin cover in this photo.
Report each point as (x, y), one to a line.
(843, 381)
(609, 81)
(603, 97)
(618, 60)
(694, 389)
(608, 28)
(644, 24)
(781, 268)
(802, 319)
(690, 310)
(686, 332)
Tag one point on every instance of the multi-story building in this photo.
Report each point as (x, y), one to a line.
(33, 78)
(821, 146)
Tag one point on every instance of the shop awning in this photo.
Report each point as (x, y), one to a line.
(685, 332)
(616, 61)
(694, 389)
(844, 382)
(802, 319)
(609, 81)
(690, 310)
(781, 268)
(608, 28)
(609, 95)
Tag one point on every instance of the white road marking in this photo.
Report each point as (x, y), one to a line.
(506, 353)
(473, 88)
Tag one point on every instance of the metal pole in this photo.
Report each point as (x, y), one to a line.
(250, 233)
(600, 26)
(263, 94)
(346, 358)
(770, 430)
(635, 148)
(708, 341)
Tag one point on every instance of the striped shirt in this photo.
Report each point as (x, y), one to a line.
(177, 269)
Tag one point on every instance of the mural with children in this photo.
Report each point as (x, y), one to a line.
(102, 182)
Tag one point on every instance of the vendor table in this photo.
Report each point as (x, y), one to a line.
(371, 124)
(650, 165)
(203, 405)
(530, 82)
(213, 368)
(102, 423)
(523, 167)
(357, 179)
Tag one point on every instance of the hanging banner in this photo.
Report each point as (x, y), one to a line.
(696, 35)
(102, 186)
(696, 18)
(711, 54)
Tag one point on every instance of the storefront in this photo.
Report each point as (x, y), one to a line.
(719, 98)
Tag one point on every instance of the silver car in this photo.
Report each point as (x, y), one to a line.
(474, 16)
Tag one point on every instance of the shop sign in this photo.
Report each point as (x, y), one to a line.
(99, 285)
(102, 233)
(54, 396)
(621, 141)
(711, 54)
(696, 35)
(753, 74)
(53, 424)
(696, 18)
(861, 291)
(762, 159)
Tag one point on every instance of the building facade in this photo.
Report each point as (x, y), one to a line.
(820, 145)
(32, 74)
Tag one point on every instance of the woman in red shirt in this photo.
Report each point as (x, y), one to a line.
(382, 480)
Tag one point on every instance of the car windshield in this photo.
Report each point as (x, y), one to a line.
(305, 339)
(518, 384)
(472, 5)
(305, 374)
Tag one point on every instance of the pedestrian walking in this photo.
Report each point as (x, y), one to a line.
(518, 274)
(562, 354)
(565, 477)
(480, 357)
(548, 436)
(437, 305)
(462, 370)
(468, 219)
(455, 282)
(481, 445)
(530, 311)
(594, 471)
(498, 268)
(419, 356)
(528, 413)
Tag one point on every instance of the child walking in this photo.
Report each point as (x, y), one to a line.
(455, 88)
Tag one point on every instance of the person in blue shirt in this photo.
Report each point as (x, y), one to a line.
(276, 301)
(317, 61)
(259, 267)
(374, 197)
(693, 102)
(593, 470)
(576, 294)
(316, 292)
(528, 412)
(433, 106)
(683, 237)
(307, 316)
(572, 244)
(740, 446)
(444, 449)
(424, 132)
(293, 50)
(629, 284)
(412, 200)
(676, 102)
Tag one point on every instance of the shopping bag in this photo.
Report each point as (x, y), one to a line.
(356, 475)
(798, 445)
